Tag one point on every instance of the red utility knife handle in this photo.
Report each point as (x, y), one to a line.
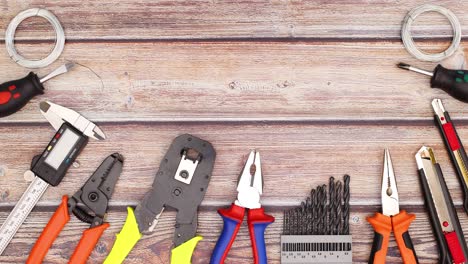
(87, 243)
(50, 233)
(454, 247)
(258, 222)
(451, 135)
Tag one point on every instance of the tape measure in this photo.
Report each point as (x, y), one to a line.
(22, 209)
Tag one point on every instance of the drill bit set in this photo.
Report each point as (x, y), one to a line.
(318, 230)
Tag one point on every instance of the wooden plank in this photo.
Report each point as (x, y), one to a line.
(231, 19)
(295, 158)
(239, 81)
(155, 248)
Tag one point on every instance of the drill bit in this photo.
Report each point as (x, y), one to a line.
(313, 195)
(338, 213)
(331, 194)
(346, 198)
(325, 208)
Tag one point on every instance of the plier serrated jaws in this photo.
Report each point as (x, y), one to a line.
(390, 202)
(250, 183)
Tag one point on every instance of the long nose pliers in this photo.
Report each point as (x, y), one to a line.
(391, 219)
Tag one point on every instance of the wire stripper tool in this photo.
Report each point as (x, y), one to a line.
(89, 204)
(180, 183)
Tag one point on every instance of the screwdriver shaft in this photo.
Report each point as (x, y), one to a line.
(60, 70)
(411, 68)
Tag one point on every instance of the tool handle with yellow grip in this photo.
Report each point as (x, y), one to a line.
(126, 240)
(183, 253)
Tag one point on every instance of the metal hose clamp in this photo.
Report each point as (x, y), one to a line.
(408, 39)
(59, 38)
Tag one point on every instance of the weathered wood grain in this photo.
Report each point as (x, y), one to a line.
(260, 19)
(311, 84)
(238, 82)
(155, 248)
(295, 158)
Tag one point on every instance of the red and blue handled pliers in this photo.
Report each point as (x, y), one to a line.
(249, 188)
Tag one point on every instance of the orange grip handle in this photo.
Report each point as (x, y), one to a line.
(401, 223)
(50, 233)
(382, 225)
(87, 243)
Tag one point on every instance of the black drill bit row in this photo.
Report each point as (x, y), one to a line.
(322, 213)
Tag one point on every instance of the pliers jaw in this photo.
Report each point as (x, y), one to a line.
(250, 183)
(389, 192)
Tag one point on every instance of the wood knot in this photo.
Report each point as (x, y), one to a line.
(4, 195)
(101, 248)
(130, 101)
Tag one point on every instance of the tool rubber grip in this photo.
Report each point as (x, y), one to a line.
(401, 223)
(183, 253)
(382, 228)
(87, 243)
(50, 233)
(126, 240)
(17, 93)
(258, 221)
(232, 218)
(454, 82)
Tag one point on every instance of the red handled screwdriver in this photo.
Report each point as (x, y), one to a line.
(17, 93)
(454, 82)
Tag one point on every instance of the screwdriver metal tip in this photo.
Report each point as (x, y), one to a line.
(69, 65)
(403, 66)
(44, 106)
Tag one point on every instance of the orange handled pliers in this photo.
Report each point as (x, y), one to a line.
(89, 204)
(391, 219)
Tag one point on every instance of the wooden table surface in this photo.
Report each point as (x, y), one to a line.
(311, 84)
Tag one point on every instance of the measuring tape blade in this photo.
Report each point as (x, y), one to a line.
(22, 209)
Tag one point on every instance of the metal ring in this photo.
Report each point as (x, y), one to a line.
(408, 39)
(59, 38)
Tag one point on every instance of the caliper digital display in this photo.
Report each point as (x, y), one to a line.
(61, 152)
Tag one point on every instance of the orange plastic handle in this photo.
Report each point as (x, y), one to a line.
(50, 233)
(401, 223)
(382, 228)
(87, 243)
